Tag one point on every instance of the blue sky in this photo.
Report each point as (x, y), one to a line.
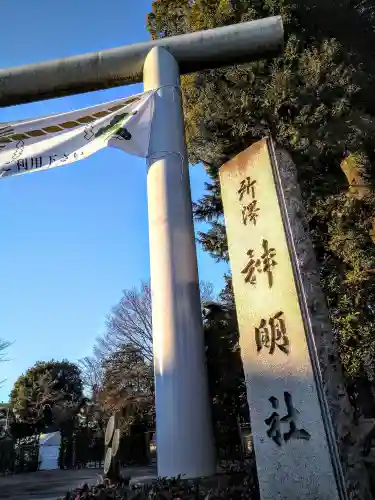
(72, 238)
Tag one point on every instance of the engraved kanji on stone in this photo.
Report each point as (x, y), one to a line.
(250, 213)
(268, 261)
(272, 333)
(264, 264)
(251, 267)
(274, 422)
(247, 186)
(291, 418)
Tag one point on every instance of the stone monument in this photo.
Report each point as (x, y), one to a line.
(283, 325)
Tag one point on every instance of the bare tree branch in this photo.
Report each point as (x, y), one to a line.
(130, 321)
(91, 372)
(120, 368)
(4, 344)
(207, 292)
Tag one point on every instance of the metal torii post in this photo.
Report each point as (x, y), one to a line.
(183, 428)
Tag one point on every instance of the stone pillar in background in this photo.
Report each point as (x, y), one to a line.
(294, 381)
(112, 444)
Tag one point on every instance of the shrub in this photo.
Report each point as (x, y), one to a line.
(234, 485)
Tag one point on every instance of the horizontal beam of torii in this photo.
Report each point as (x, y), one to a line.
(183, 422)
(213, 48)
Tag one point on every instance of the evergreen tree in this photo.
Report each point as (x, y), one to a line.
(47, 394)
(225, 378)
(314, 101)
(128, 386)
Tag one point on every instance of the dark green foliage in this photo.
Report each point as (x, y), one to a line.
(86, 448)
(128, 387)
(316, 100)
(7, 455)
(48, 394)
(226, 296)
(19, 455)
(232, 485)
(226, 379)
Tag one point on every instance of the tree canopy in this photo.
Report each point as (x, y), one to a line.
(316, 101)
(47, 394)
(128, 387)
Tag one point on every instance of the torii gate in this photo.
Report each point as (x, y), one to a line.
(183, 421)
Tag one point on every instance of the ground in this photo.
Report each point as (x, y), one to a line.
(50, 485)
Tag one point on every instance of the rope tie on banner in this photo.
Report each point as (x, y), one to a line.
(159, 155)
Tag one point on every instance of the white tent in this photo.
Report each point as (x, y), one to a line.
(49, 448)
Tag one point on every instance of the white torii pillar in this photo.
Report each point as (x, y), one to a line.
(184, 431)
(183, 424)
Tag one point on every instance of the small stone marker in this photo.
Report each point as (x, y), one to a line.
(294, 450)
(112, 443)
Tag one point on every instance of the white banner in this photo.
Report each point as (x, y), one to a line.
(51, 141)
